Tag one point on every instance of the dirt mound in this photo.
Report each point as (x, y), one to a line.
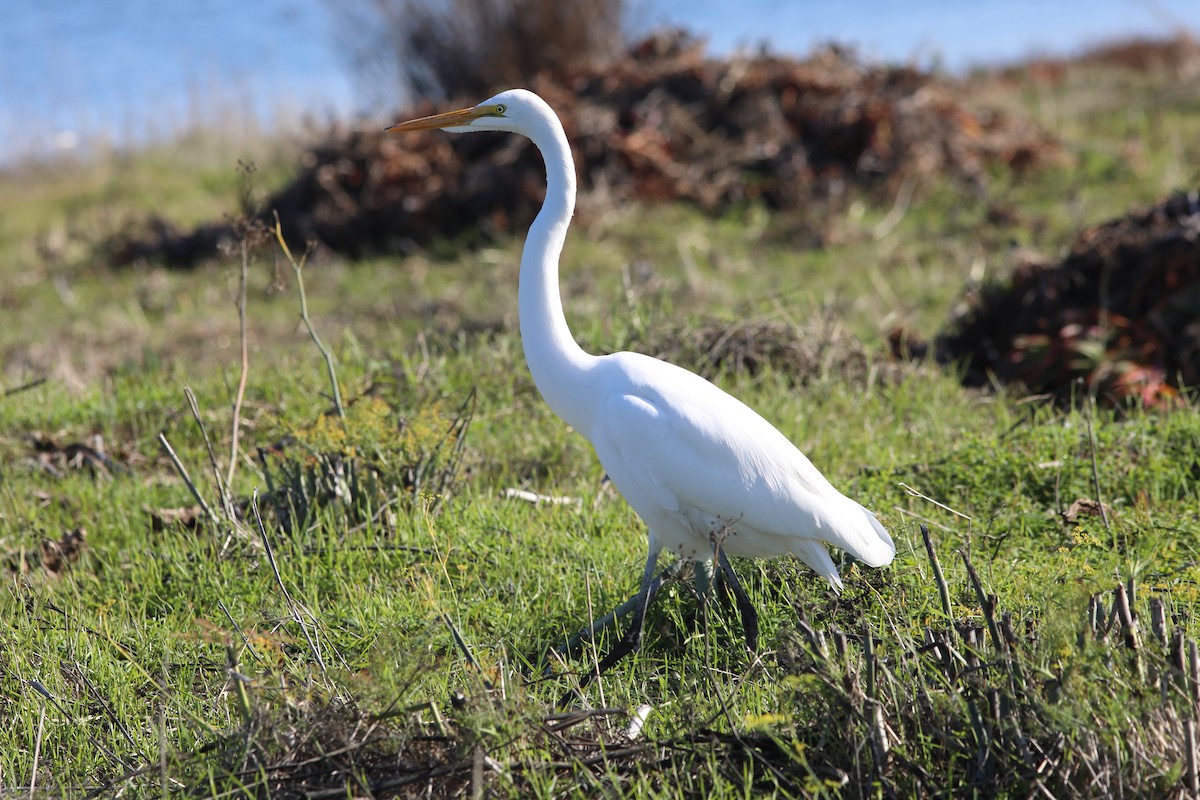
(665, 123)
(1120, 315)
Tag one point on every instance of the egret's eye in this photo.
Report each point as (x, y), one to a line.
(500, 109)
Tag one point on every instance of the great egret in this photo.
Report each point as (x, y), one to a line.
(707, 474)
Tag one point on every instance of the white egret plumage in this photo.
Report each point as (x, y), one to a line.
(707, 474)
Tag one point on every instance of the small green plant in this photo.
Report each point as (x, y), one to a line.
(370, 461)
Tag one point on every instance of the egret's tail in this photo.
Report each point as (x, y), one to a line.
(877, 548)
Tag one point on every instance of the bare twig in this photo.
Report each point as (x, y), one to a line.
(894, 217)
(40, 688)
(37, 753)
(880, 744)
(910, 490)
(1091, 407)
(24, 387)
(1129, 623)
(1125, 614)
(869, 659)
(986, 602)
(538, 499)
(924, 519)
(1158, 620)
(466, 651)
(1194, 671)
(236, 627)
(298, 269)
(292, 606)
(108, 709)
(639, 719)
(943, 589)
(1189, 740)
(187, 479)
(222, 489)
(241, 390)
(456, 434)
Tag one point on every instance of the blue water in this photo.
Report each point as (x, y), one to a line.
(118, 71)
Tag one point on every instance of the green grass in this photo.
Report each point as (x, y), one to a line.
(171, 661)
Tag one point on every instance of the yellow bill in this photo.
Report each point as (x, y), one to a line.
(450, 119)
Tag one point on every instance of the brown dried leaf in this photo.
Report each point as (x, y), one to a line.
(55, 556)
(57, 458)
(1085, 507)
(185, 516)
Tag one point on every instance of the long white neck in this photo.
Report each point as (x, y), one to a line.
(559, 365)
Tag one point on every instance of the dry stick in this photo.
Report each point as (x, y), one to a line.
(1132, 640)
(1158, 620)
(869, 659)
(236, 627)
(37, 752)
(910, 490)
(1194, 672)
(466, 651)
(986, 603)
(33, 384)
(108, 709)
(878, 724)
(462, 766)
(943, 589)
(1095, 471)
(241, 390)
(1189, 738)
(222, 489)
(477, 773)
(37, 686)
(558, 723)
(298, 269)
(187, 479)
(710, 672)
(924, 519)
(1016, 676)
(815, 638)
(1095, 613)
(457, 430)
(1125, 614)
(262, 529)
(161, 719)
(576, 689)
(894, 217)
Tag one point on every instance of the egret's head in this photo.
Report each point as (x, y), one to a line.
(515, 110)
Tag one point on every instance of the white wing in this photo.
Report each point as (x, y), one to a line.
(687, 445)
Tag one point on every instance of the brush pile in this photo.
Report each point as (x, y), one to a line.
(664, 123)
(1117, 318)
(803, 352)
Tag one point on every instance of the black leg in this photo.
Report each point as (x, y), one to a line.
(571, 647)
(633, 637)
(749, 615)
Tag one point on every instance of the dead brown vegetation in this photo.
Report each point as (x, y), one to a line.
(433, 50)
(967, 708)
(802, 353)
(665, 123)
(1117, 318)
(53, 556)
(1177, 56)
(59, 458)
